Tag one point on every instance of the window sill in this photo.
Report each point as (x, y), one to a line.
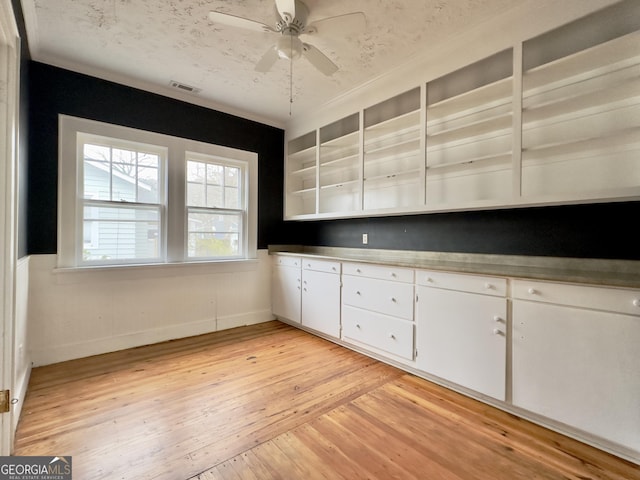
(163, 269)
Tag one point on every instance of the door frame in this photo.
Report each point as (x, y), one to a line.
(9, 104)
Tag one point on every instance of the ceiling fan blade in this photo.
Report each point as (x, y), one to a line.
(286, 9)
(348, 23)
(267, 60)
(239, 22)
(319, 59)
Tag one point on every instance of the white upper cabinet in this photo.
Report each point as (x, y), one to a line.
(470, 134)
(340, 166)
(393, 153)
(547, 120)
(301, 176)
(581, 108)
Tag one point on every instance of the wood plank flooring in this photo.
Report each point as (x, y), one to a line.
(272, 402)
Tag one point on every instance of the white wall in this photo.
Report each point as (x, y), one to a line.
(78, 313)
(22, 358)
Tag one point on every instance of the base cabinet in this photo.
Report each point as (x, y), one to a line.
(377, 308)
(321, 296)
(576, 365)
(286, 289)
(461, 335)
(565, 355)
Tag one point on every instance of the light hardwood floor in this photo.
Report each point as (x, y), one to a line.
(273, 402)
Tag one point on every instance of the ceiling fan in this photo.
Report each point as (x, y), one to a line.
(291, 22)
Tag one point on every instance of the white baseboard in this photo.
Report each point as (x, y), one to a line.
(61, 353)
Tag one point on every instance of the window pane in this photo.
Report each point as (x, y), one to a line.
(121, 233)
(215, 196)
(120, 175)
(213, 234)
(232, 197)
(232, 176)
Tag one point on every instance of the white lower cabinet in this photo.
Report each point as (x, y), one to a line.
(576, 357)
(321, 296)
(377, 308)
(286, 293)
(461, 330)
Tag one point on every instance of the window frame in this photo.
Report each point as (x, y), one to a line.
(243, 184)
(174, 227)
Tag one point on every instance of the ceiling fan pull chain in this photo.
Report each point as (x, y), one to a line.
(291, 77)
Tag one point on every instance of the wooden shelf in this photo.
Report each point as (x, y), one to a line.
(490, 127)
(338, 161)
(625, 139)
(393, 126)
(407, 174)
(351, 185)
(304, 171)
(598, 60)
(620, 95)
(487, 96)
(304, 191)
(498, 157)
(345, 140)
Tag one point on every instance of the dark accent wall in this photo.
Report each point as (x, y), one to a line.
(582, 231)
(54, 91)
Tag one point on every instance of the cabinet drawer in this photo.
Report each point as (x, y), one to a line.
(464, 283)
(287, 261)
(396, 274)
(617, 300)
(389, 298)
(320, 265)
(380, 331)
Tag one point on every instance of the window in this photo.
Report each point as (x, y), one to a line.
(128, 196)
(122, 200)
(215, 207)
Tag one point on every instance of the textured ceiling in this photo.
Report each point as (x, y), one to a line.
(148, 43)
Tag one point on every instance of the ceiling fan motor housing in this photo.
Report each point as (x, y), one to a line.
(292, 25)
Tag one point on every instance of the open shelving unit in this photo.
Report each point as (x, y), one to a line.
(393, 163)
(340, 171)
(551, 120)
(581, 119)
(301, 175)
(470, 133)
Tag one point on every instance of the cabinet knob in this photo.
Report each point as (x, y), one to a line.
(532, 291)
(358, 326)
(498, 319)
(308, 265)
(333, 268)
(393, 299)
(497, 331)
(393, 274)
(358, 292)
(636, 302)
(358, 270)
(488, 286)
(392, 336)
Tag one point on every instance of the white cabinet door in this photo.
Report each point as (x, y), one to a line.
(461, 337)
(580, 367)
(321, 301)
(286, 292)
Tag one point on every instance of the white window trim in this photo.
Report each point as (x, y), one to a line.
(69, 176)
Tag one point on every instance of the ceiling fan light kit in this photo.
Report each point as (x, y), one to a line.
(291, 22)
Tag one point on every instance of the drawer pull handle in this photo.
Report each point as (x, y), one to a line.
(498, 319)
(392, 336)
(393, 299)
(636, 302)
(358, 292)
(393, 274)
(309, 265)
(333, 268)
(497, 331)
(532, 291)
(358, 326)
(358, 270)
(488, 286)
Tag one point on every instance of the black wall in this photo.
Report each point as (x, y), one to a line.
(54, 91)
(583, 231)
